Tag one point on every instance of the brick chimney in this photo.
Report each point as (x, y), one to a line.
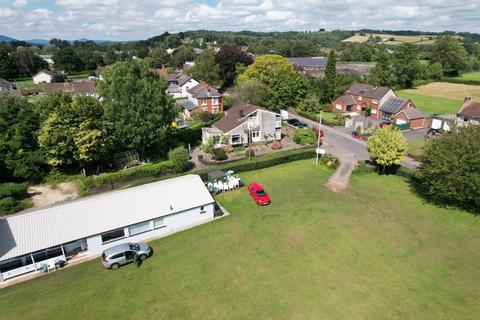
(241, 113)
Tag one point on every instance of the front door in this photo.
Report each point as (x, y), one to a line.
(256, 136)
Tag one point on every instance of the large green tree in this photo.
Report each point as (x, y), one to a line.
(387, 147)
(75, 134)
(8, 68)
(449, 52)
(20, 158)
(160, 57)
(230, 59)
(285, 88)
(136, 103)
(331, 76)
(450, 169)
(182, 55)
(383, 72)
(406, 64)
(27, 62)
(249, 91)
(206, 68)
(67, 60)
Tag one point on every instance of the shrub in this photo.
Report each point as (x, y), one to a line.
(9, 205)
(219, 154)
(179, 158)
(328, 107)
(202, 116)
(149, 170)
(264, 161)
(13, 190)
(387, 147)
(449, 172)
(304, 137)
(330, 160)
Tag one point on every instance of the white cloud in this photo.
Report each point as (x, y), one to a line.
(19, 3)
(140, 19)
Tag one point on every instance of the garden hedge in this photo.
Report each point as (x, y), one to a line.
(13, 190)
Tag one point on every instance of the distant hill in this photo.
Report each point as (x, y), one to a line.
(41, 42)
(6, 39)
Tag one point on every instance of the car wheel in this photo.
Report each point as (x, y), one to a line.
(115, 266)
(142, 257)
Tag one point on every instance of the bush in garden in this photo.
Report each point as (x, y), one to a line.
(13, 190)
(9, 205)
(219, 154)
(179, 158)
(304, 137)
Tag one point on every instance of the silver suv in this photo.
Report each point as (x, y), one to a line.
(121, 254)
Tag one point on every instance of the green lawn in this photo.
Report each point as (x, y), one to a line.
(429, 104)
(475, 76)
(377, 252)
(29, 85)
(415, 146)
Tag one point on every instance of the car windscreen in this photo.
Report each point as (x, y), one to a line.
(134, 246)
(261, 193)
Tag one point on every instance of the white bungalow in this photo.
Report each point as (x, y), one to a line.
(90, 225)
(44, 76)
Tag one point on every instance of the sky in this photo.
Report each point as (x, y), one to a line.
(136, 20)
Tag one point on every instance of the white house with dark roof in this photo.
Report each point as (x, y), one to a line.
(469, 113)
(90, 225)
(44, 76)
(179, 84)
(244, 123)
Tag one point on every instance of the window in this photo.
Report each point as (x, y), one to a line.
(374, 111)
(235, 138)
(10, 265)
(112, 235)
(159, 223)
(338, 106)
(214, 100)
(253, 117)
(202, 209)
(359, 98)
(203, 101)
(375, 101)
(139, 228)
(117, 256)
(256, 134)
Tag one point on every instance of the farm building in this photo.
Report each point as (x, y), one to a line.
(89, 226)
(44, 76)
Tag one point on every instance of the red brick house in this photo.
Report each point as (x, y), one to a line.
(205, 98)
(359, 95)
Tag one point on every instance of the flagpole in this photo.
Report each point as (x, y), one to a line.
(319, 134)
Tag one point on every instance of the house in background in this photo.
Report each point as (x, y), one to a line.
(87, 226)
(469, 113)
(205, 98)
(44, 76)
(364, 94)
(244, 123)
(311, 67)
(384, 103)
(48, 59)
(73, 88)
(179, 84)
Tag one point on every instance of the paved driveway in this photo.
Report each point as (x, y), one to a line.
(343, 145)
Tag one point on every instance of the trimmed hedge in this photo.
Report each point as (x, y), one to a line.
(264, 161)
(13, 190)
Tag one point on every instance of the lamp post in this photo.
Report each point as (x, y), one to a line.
(318, 150)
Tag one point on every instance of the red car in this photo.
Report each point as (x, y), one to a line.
(258, 194)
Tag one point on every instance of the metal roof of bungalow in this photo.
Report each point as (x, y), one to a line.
(309, 62)
(44, 228)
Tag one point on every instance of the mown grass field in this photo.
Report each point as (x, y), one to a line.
(475, 76)
(429, 104)
(398, 39)
(446, 90)
(377, 252)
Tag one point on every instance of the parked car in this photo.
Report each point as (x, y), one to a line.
(297, 123)
(258, 194)
(121, 254)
